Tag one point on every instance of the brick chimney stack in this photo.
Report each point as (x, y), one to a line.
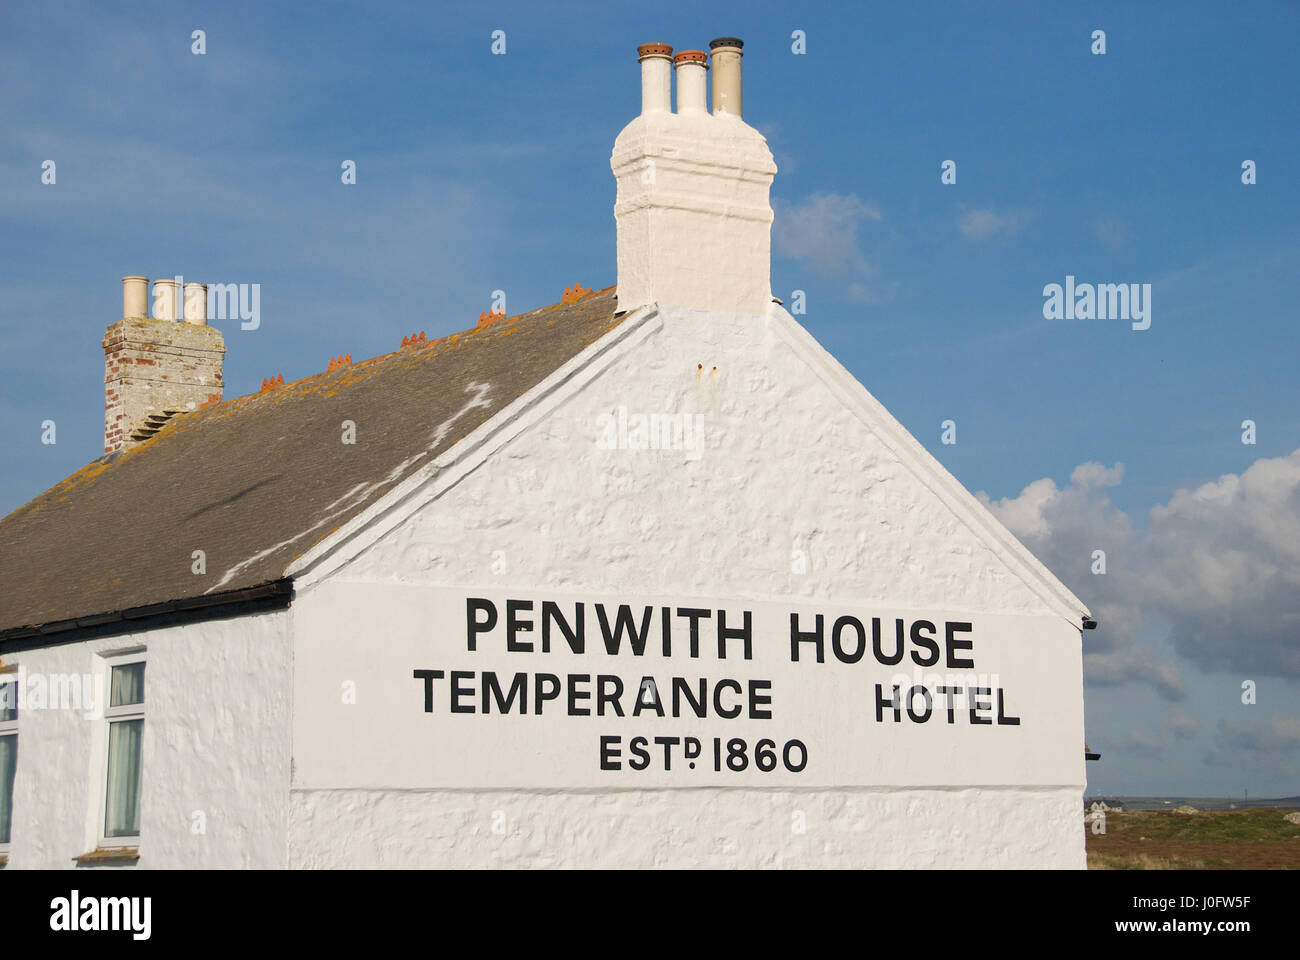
(156, 368)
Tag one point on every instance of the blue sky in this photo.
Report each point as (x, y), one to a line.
(478, 172)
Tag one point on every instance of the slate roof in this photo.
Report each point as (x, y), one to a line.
(258, 480)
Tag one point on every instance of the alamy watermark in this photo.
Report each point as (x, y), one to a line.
(225, 301)
(75, 913)
(1103, 301)
(52, 691)
(236, 301)
(651, 431)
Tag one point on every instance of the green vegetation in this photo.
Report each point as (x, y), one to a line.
(1219, 839)
(1101, 861)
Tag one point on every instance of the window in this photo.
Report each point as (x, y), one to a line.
(125, 716)
(8, 754)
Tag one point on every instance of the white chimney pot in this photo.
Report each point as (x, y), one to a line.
(164, 299)
(196, 303)
(656, 61)
(726, 53)
(135, 297)
(692, 69)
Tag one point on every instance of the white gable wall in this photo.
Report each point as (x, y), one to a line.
(787, 469)
(215, 750)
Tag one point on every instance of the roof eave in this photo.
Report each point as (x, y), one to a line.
(276, 593)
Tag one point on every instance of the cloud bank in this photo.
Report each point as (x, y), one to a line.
(1220, 564)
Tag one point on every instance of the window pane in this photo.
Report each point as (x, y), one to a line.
(8, 764)
(122, 816)
(8, 701)
(128, 685)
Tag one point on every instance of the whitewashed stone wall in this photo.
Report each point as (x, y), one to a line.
(717, 828)
(786, 468)
(216, 742)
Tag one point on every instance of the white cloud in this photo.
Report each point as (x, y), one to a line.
(1268, 742)
(1093, 474)
(1114, 668)
(1112, 233)
(1182, 723)
(1223, 561)
(822, 232)
(1139, 744)
(1064, 526)
(1220, 564)
(981, 224)
(1275, 732)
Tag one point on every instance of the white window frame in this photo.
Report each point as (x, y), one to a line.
(133, 711)
(10, 728)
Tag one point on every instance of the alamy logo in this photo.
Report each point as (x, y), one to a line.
(220, 301)
(73, 913)
(1104, 301)
(230, 301)
(27, 691)
(651, 431)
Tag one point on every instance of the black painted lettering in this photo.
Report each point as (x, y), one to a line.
(428, 676)
(492, 690)
(611, 698)
(514, 625)
(954, 645)
(610, 753)
(624, 621)
(647, 698)
(577, 693)
(949, 692)
(574, 635)
(745, 633)
(923, 641)
(473, 625)
(695, 616)
(911, 700)
(540, 692)
(1003, 717)
(815, 637)
(637, 747)
(668, 743)
(699, 704)
(458, 691)
(876, 644)
(859, 645)
(891, 702)
(718, 708)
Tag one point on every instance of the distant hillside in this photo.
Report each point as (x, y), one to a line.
(1200, 803)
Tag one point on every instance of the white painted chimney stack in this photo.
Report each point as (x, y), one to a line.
(693, 212)
(692, 67)
(726, 53)
(656, 61)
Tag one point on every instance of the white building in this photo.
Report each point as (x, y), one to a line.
(625, 581)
